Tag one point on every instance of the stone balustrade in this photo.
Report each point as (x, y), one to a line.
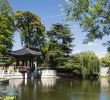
(14, 74)
(48, 73)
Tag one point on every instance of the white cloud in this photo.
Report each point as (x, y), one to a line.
(60, 5)
(62, 9)
(101, 54)
(67, 1)
(50, 17)
(91, 44)
(75, 51)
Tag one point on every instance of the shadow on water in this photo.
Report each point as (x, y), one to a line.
(60, 89)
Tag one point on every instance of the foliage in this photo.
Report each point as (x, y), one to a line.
(6, 27)
(30, 27)
(61, 35)
(85, 63)
(59, 43)
(93, 17)
(11, 97)
(5, 7)
(105, 61)
(6, 30)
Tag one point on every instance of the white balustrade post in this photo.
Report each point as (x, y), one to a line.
(35, 63)
(3, 72)
(8, 72)
(32, 76)
(25, 75)
(17, 71)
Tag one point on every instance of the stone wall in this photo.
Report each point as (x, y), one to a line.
(104, 71)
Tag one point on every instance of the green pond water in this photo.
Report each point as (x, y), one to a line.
(60, 89)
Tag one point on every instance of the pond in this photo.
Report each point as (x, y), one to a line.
(58, 89)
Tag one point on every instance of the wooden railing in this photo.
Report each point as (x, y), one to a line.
(22, 69)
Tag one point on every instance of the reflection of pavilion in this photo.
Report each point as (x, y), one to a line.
(25, 59)
(15, 82)
(48, 82)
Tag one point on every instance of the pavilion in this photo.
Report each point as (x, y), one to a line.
(26, 66)
(25, 59)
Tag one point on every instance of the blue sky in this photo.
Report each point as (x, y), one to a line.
(50, 13)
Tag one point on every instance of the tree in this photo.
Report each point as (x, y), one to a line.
(6, 27)
(105, 61)
(61, 35)
(85, 63)
(46, 53)
(93, 17)
(59, 43)
(5, 7)
(31, 29)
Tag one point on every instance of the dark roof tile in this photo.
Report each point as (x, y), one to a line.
(25, 51)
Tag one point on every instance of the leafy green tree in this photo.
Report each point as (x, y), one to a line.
(92, 16)
(5, 7)
(6, 27)
(85, 63)
(31, 29)
(105, 61)
(46, 53)
(61, 35)
(59, 43)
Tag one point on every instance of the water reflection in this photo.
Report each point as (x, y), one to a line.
(48, 82)
(82, 90)
(104, 83)
(105, 89)
(15, 83)
(60, 89)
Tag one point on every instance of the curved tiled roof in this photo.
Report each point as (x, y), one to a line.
(25, 51)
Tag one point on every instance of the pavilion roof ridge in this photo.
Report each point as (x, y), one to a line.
(25, 51)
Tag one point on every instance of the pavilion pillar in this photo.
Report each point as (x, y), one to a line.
(26, 63)
(30, 63)
(16, 62)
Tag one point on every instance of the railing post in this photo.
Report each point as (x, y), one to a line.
(17, 71)
(25, 75)
(3, 72)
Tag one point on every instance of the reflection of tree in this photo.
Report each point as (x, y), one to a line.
(64, 89)
(69, 89)
(82, 90)
(29, 91)
(16, 83)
